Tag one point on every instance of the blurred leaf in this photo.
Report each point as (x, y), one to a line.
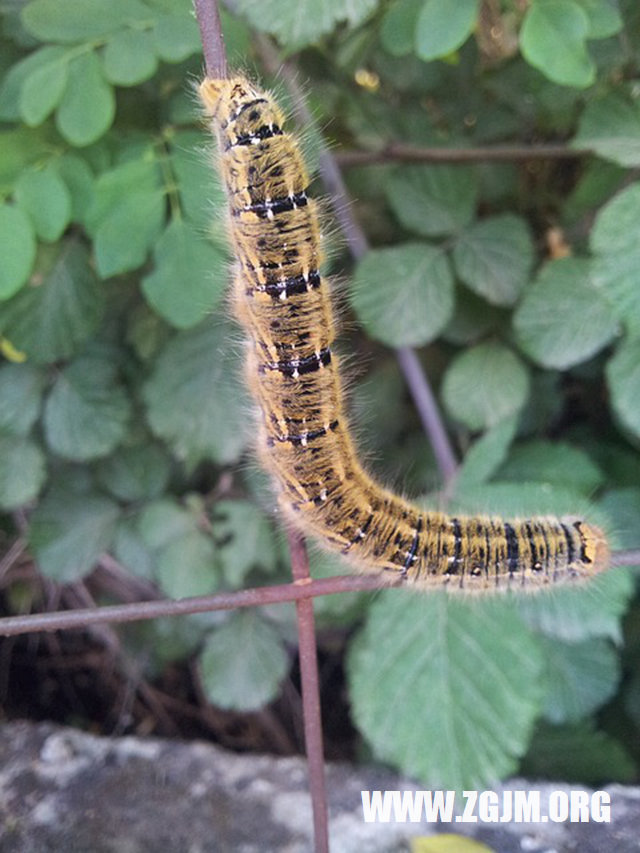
(48, 59)
(86, 413)
(129, 58)
(403, 296)
(480, 663)
(243, 663)
(176, 37)
(18, 250)
(552, 462)
(69, 531)
(88, 105)
(245, 539)
(195, 399)
(494, 258)
(615, 242)
(44, 196)
(79, 180)
(433, 200)
(562, 319)
(623, 379)
(22, 471)
(484, 385)
(81, 20)
(611, 127)
(52, 320)
(43, 88)
(20, 397)
(187, 567)
(472, 320)
(189, 278)
(622, 506)
(553, 40)
(201, 194)
(303, 22)
(443, 27)
(604, 18)
(163, 520)
(398, 28)
(486, 454)
(580, 676)
(139, 472)
(126, 216)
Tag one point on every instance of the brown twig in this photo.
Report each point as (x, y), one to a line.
(400, 152)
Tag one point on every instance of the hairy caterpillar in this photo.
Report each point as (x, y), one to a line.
(284, 305)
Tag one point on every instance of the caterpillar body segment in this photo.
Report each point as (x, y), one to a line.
(284, 305)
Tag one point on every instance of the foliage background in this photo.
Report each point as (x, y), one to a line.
(124, 429)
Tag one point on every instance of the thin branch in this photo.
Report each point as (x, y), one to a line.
(215, 56)
(400, 152)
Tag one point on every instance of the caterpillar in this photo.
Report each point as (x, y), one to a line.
(284, 305)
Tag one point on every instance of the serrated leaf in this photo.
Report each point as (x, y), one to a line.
(443, 27)
(126, 216)
(611, 127)
(615, 242)
(494, 258)
(139, 472)
(580, 678)
(397, 30)
(81, 20)
(553, 40)
(88, 105)
(195, 398)
(129, 58)
(176, 37)
(484, 385)
(623, 379)
(303, 22)
(403, 296)
(43, 88)
(18, 249)
(20, 397)
(563, 319)
(86, 413)
(464, 680)
(245, 539)
(552, 462)
(22, 471)
(187, 566)
(486, 454)
(433, 200)
(51, 321)
(68, 532)
(189, 278)
(243, 663)
(44, 196)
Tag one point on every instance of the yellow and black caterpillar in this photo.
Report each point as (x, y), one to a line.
(284, 306)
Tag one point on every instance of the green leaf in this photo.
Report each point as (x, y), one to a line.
(403, 296)
(615, 242)
(43, 195)
(176, 37)
(139, 472)
(563, 319)
(163, 520)
(18, 246)
(463, 679)
(20, 397)
(187, 566)
(43, 88)
(81, 20)
(86, 413)
(189, 278)
(195, 398)
(433, 200)
(79, 180)
(604, 18)
(129, 58)
(202, 198)
(22, 471)
(398, 27)
(443, 27)
(519, 500)
(51, 321)
(245, 539)
(622, 506)
(552, 462)
(126, 216)
(243, 663)
(47, 58)
(578, 754)
(611, 127)
(494, 258)
(473, 319)
(623, 379)
(580, 678)
(69, 531)
(553, 40)
(88, 105)
(304, 22)
(486, 454)
(484, 385)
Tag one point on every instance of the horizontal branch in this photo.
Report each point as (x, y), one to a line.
(400, 152)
